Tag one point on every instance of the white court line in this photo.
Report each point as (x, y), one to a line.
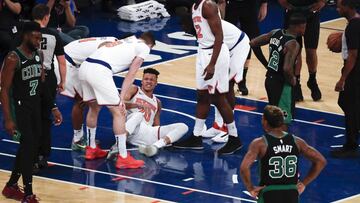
(145, 180)
(93, 187)
(346, 199)
(187, 179)
(235, 179)
(253, 112)
(337, 146)
(339, 135)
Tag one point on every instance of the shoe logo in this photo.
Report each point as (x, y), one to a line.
(23, 62)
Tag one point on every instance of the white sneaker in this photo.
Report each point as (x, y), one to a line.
(222, 137)
(211, 132)
(113, 152)
(149, 150)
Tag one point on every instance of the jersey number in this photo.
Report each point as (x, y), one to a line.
(33, 84)
(43, 43)
(274, 60)
(198, 31)
(283, 166)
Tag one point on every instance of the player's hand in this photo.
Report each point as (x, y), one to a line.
(340, 85)
(316, 7)
(122, 108)
(300, 187)
(256, 190)
(61, 86)
(209, 72)
(65, 3)
(262, 12)
(10, 127)
(58, 119)
(293, 81)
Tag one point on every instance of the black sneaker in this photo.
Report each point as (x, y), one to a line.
(315, 91)
(232, 145)
(298, 96)
(344, 153)
(242, 88)
(193, 142)
(42, 162)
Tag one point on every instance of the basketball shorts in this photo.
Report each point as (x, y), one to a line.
(220, 79)
(279, 193)
(72, 82)
(280, 94)
(145, 134)
(97, 84)
(238, 56)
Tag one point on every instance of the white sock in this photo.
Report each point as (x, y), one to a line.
(133, 122)
(91, 134)
(199, 126)
(218, 118)
(160, 143)
(121, 144)
(78, 134)
(232, 129)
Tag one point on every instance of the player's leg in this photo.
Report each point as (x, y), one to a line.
(124, 159)
(311, 41)
(77, 118)
(166, 135)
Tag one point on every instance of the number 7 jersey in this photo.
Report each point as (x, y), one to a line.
(279, 165)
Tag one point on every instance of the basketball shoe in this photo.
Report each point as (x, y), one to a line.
(94, 153)
(128, 162)
(13, 192)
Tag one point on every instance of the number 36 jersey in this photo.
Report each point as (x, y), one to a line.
(279, 166)
(277, 53)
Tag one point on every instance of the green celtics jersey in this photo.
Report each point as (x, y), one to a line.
(277, 53)
(279, 166)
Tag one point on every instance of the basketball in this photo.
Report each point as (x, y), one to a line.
(334, 42)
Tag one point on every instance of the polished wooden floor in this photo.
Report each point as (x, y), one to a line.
(328, 74)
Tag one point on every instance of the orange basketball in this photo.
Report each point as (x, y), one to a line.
(334, 42)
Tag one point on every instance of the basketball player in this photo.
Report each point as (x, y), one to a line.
(98, 88)
(51, 45)
(278, 154)
(143, 123)
(283, 49)
(75, 53)
(21, 74)
(348, 85)
(311, 10)
(212, 75)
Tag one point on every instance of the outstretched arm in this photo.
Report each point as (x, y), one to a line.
(130, 77)
(318, 162)
(292, 51)
(261, 40)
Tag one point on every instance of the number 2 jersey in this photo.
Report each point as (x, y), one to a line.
(205, 37)
(277, 54)
(279, 165)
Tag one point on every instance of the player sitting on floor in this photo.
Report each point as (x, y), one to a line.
(143, 120)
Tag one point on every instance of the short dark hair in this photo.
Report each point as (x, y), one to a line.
(148, 37)
(297, 18)
(353, 4)
(40, 11)
(151, 71)
(28, 27)
(274, 116)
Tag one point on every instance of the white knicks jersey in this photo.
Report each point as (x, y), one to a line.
(151, 103)
(205, 37)
(80, 49)
(120, 54)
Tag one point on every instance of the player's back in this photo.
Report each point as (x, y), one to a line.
(276, 50)
(120, 54)
(80, 49)
(231, 33)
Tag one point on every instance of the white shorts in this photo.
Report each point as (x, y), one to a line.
(238, 56)
(145, 134)
(220, 80)
(97, 84)
(72, 82)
